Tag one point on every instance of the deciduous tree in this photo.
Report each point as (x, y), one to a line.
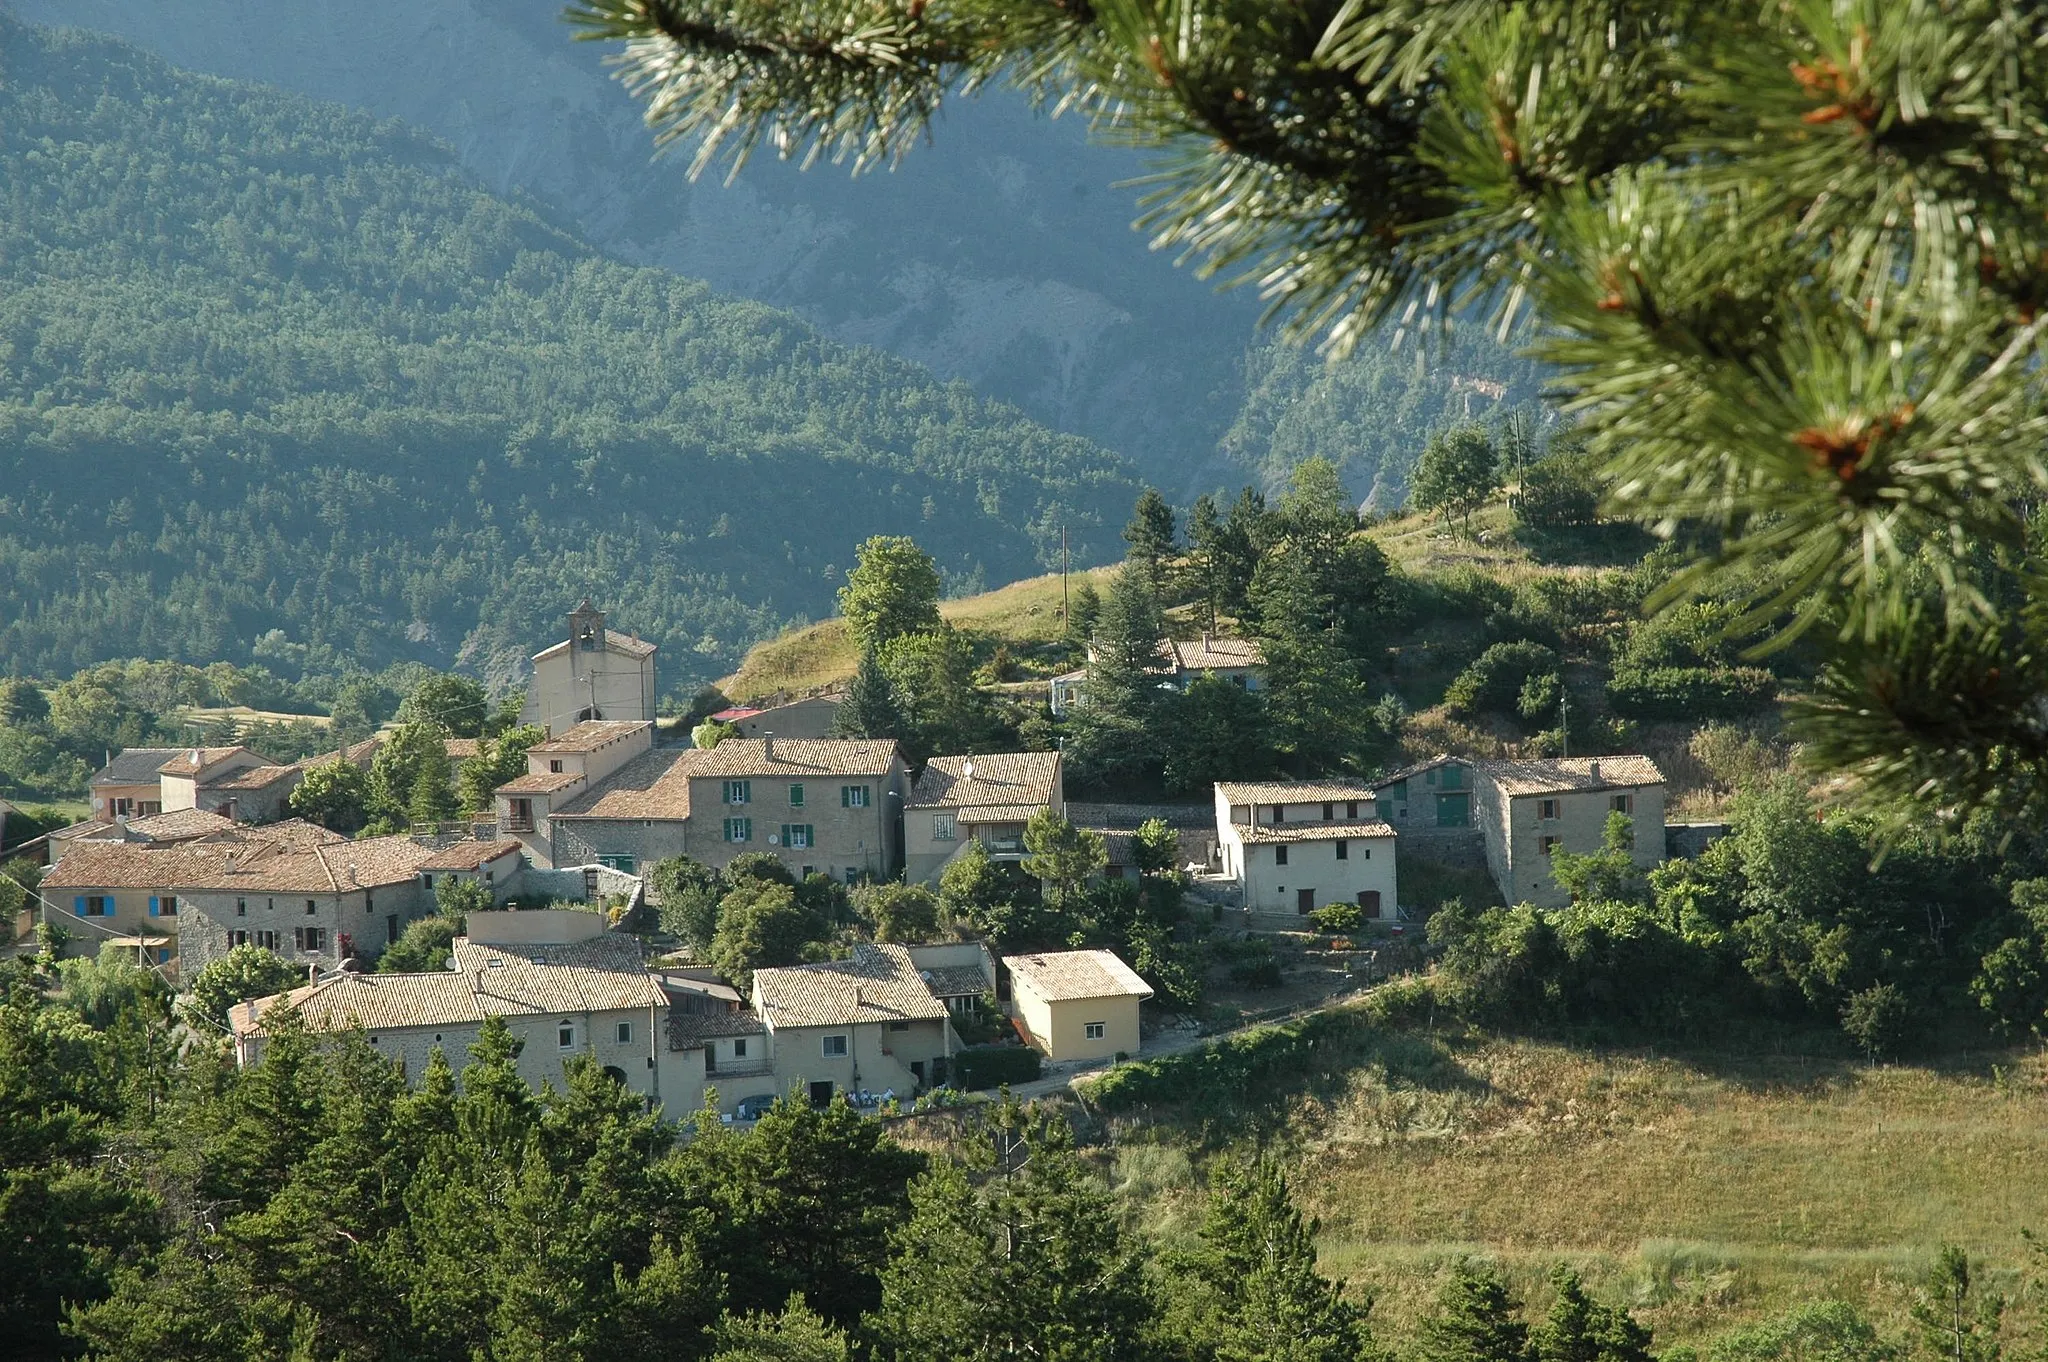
(893, 591)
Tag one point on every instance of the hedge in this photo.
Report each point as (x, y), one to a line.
(991, 1066)
(1690, 692)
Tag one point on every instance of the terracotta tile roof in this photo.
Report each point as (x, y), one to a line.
(794, 758)
(179, 825)
(296, 831)
(1062, 976)
(591, 734)
(470, 855)
(735, 714)
(136, 765)
(879, 984)
(956, 981)
(998, 813)
(253, 778)
(1314, 832)
(602, 974)
(1571, 775)
(614, 641)
(197, 761)
(1417, 768)
(355, 754)
(992, 778)
(539, 782)
(689, 1030)
(88, 864)
(300, 865)
(1216, 654)
(1293, 791)
(655, 784)
(462, 749)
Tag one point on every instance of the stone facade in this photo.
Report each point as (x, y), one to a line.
(1527, 809)
(211, 923)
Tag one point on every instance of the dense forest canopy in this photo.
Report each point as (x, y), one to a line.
(279, 381)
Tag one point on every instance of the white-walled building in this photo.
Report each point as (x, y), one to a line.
(595, 673)
(1295, 846)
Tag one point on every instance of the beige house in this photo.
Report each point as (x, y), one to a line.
(219, 780)
(1238, 660)
(564, 986)
(813, 717)
(1296, 846)
(117, 894)
(595, 673)
(1528, 809)
(128, 785)
(986, 799)
(494, 863)
(822, 805)
(868, 1024)
(1077, 1005)
(1429, 794)
(560, 769)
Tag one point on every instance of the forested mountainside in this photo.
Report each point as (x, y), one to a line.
(1000, 254)
(278, 379)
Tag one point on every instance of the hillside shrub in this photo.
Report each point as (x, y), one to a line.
(1304, 1049)
(1337, 917)
(991, 1066)
(1494, 682)
(1690, 692)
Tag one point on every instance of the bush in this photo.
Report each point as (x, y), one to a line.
(1879, 1019)
(1301, 1050)
(991, 1066)
(1690, 692)
(1256, 974)
(1493, 683)
(1338, 917)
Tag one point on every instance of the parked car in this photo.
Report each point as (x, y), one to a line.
(755, 1107)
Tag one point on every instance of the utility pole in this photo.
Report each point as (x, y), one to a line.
(1065, 614)
(1564, 718)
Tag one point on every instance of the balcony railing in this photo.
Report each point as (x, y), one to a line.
(517, 824)
(1003, 846)
(737, 1068)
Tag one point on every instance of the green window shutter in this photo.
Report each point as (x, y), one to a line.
(796, 796)
(846, 796)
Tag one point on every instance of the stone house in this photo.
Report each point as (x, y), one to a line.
(821, 805)
(1295, 846)
(812, 717)
(564, 986)
(867, 1024)
(560, 769)
(129, 784)
(1528, 809)
(1428, 795)
(1238, 660)
(1077, 1005)
(987, 799)
(595, 673)
(495, 863)
(210, 778)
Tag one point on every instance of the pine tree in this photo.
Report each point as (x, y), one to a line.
(1269, 1302)
(1580, 1329)
(1207, 547)
(1151, 535)
(1693, 211)
(1322, 718)
(1476, 1320)
(867, 708)
(1115, 734)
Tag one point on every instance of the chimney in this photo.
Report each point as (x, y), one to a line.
(967, 770)
(1596, 770)
(767, 746)
(1205, 640)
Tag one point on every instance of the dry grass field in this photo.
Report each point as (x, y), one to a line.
(1704, 1191)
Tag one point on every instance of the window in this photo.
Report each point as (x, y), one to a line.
(1329, 813)
(241, 907)
(1546, 845)
(309, 907)
(96, 906)
(899, 1026)
(427, 881)
(309, 938)
(237, 939)
(1622, 803)
(519, 815)
(618, 861)
(796, 796)
(739, 791)
(163, 955)
(554, 766)
(739, 829)
(1546, 809)
(167, 906)
(796, 834)
(625, 1033)
(1365, 853)
(266, 938)
(942, 827)
(1279, 855)
(853, 796)
(1279, 813)
(1454, 777)
(1097, 1030)
(565, 1035)
(834, 1047)
(1351, 811)
(1343, 851)
(739, 1048)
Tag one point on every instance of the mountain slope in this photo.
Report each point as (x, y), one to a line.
(1000, 254)
(278, 380)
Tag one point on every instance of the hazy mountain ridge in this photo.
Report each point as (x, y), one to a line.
(278, 380)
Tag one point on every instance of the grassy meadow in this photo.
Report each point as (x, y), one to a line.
(1705, 1189)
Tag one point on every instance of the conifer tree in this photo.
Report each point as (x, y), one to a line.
(1580, 1329)
(868, 709)
(1322, 717)
(1152, 535)
(1115, 735)
(1476, 1320)
(1786, 260)
(1259, 1272)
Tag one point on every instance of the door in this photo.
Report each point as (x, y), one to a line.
(1304, 900)
(917, 1071)
(1454, 810)
(1369, 901)
(821, 1093)
(391, 929)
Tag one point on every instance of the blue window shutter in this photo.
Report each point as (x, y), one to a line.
(154, 910)
(78, 906)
